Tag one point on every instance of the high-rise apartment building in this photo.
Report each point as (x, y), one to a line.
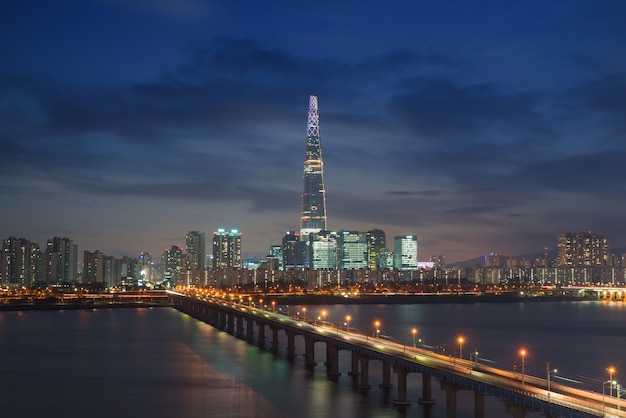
(61, 260)
(226, 249)
(172, 262)
(584, 249)
(196, 253)
(313, 214)
(20, 262)
(405, 252)
(93, 267)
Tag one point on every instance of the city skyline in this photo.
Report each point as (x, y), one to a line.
(478, 128)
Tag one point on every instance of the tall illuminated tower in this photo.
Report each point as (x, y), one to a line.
(313, 216)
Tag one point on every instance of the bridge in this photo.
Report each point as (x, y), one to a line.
(522, 393)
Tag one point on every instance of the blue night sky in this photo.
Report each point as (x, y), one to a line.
(479, 126)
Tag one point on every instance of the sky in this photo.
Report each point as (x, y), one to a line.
(480, 127)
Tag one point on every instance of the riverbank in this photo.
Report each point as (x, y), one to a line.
(408, 299)
(80, 305)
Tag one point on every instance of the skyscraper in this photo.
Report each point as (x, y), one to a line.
(196, 254)
(405, 252)
(226, 249)
(585, 249)
(313, 216)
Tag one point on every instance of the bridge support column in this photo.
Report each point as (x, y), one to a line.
(291, 346)
(231, 324)
(221, 320)
(332, 361)
(427, 391)
(239, 326)
(250, 330)
(401, 372)
(451, 390)
(364, 384)
(517, 411)
(386, 376)
(479, 404)
(354, 371)
(261, 341)
(309, 352)
(274, 347)
(214, 317)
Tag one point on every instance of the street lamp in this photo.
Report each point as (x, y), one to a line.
(348, 318)
(461, 340)
(414, 332)
(549, 372)
(274, 306)
(377, 325)
(304, 313)
(611, 371)
(522, 353)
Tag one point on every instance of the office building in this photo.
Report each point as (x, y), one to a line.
(376, 243)
(353, 254)
(324, 250)
(405, 252)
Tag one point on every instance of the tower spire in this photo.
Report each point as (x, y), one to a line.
(313, 214)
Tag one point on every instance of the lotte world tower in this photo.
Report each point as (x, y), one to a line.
(313, 214)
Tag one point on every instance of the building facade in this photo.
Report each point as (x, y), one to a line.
(584, 249)
(405, 252)
(226, 249)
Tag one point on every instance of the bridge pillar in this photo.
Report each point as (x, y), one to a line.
(401, 372)
(479, 404)
(332, 360)
(231, 323)
(221, 320)
(291, 346)
(309, 352)
(239, 326)
(354, 371)
(250, 330)
(450, 389)
(517, 411)
(364, 384)
(214, 317)
(427, 391)
(261, 341)
(274, 347)
(386, 375)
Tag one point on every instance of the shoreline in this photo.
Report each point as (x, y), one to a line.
(315, 299)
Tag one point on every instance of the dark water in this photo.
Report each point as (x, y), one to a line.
(161, 363)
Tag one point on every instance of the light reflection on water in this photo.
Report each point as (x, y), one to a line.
(161, 363)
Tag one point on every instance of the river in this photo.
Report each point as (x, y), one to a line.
(158, 362)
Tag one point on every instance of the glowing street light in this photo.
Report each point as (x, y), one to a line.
(304, 313)
(522, 353)
(414, 332)
(377, 325)
(274, 306)
(348, 319)
(461, 340)
(611, 371)
(549, 372)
